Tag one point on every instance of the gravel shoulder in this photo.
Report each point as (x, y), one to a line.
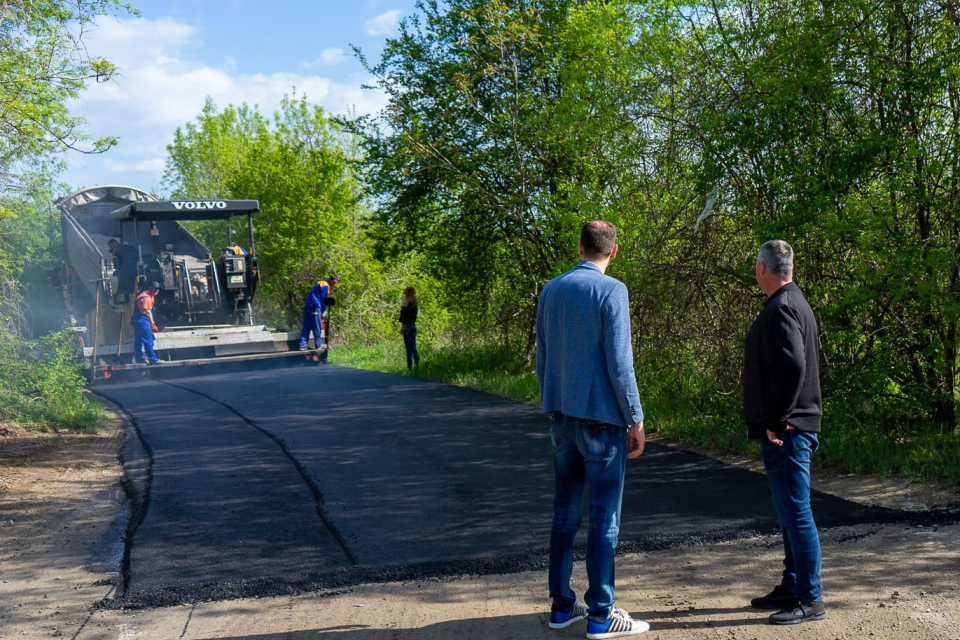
(59, 496)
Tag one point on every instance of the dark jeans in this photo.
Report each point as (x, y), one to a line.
(594, 454)
(410, 344)
(788, 473)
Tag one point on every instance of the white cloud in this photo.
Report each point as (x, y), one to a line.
(328, 58)
(384, 24)
(161, 87)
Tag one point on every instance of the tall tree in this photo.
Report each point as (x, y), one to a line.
(296, 164)
(837, 126)
(43, 64)
(508, 125)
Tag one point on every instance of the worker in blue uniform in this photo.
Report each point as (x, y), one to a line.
(315, 310)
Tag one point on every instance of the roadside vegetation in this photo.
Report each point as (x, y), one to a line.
(44, 66)
(700, 129)
(41, 384)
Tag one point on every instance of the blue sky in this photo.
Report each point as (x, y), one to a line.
(178, 52)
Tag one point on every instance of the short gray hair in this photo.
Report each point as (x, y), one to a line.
(777, 256)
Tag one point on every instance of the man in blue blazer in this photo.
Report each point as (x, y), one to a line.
(589, 390)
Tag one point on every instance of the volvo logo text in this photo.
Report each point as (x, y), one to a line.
(199, 204)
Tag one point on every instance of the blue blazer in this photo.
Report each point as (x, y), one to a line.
(584, 356)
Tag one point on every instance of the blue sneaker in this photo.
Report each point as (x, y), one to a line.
(619, 624)
(563, 619)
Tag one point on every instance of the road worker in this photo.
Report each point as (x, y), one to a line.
(125, 259)
(315, 311)
(144, 325)
(236, 250)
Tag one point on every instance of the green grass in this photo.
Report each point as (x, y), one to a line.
(929, 453)
(489, 370)
(41, 387)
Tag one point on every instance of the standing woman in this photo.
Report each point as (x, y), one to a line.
(408, 326)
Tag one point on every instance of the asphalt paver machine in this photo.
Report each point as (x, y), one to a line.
(205, 304)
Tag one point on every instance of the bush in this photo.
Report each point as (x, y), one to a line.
(42, 387)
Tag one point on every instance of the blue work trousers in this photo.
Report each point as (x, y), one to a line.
(311, 324)
(788, 473)
(143, 340)
(586, 454)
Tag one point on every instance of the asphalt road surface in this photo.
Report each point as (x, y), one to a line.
(286, 481)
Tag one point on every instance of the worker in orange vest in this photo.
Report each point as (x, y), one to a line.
(144, 325)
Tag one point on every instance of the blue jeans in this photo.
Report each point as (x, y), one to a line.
(594, 454)
(788, 472)
(410, 344)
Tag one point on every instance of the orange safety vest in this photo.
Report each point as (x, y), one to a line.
(144, 302)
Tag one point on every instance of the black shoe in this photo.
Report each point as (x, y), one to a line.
(779, 598)
(154, 362)
(801, 612)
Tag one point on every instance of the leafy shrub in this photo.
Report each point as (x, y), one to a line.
(42, 387)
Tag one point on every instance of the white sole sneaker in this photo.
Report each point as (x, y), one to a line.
(578, 613)
(621, 626)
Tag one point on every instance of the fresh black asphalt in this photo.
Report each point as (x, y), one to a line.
(284, 481)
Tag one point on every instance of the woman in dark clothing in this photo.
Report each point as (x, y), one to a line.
(408, 326)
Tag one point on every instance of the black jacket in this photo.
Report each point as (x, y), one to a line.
(781, 372)
(408, 315)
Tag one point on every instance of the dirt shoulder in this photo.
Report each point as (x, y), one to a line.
(58, 498)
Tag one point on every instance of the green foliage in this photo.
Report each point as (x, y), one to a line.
(41, 384)
(487, 157)
(369, 299)
(838, 130)
(489, 369)
(296, 165)
(44, 64)
(30, 237)
(701, 130)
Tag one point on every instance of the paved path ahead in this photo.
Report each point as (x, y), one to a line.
(292, 480)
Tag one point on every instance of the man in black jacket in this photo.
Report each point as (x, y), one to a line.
(125, 259)
(782, 407)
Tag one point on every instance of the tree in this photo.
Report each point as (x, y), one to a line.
(296, 165)
(509, 125)
(837, 127)
(43, 64)
(30, 238)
